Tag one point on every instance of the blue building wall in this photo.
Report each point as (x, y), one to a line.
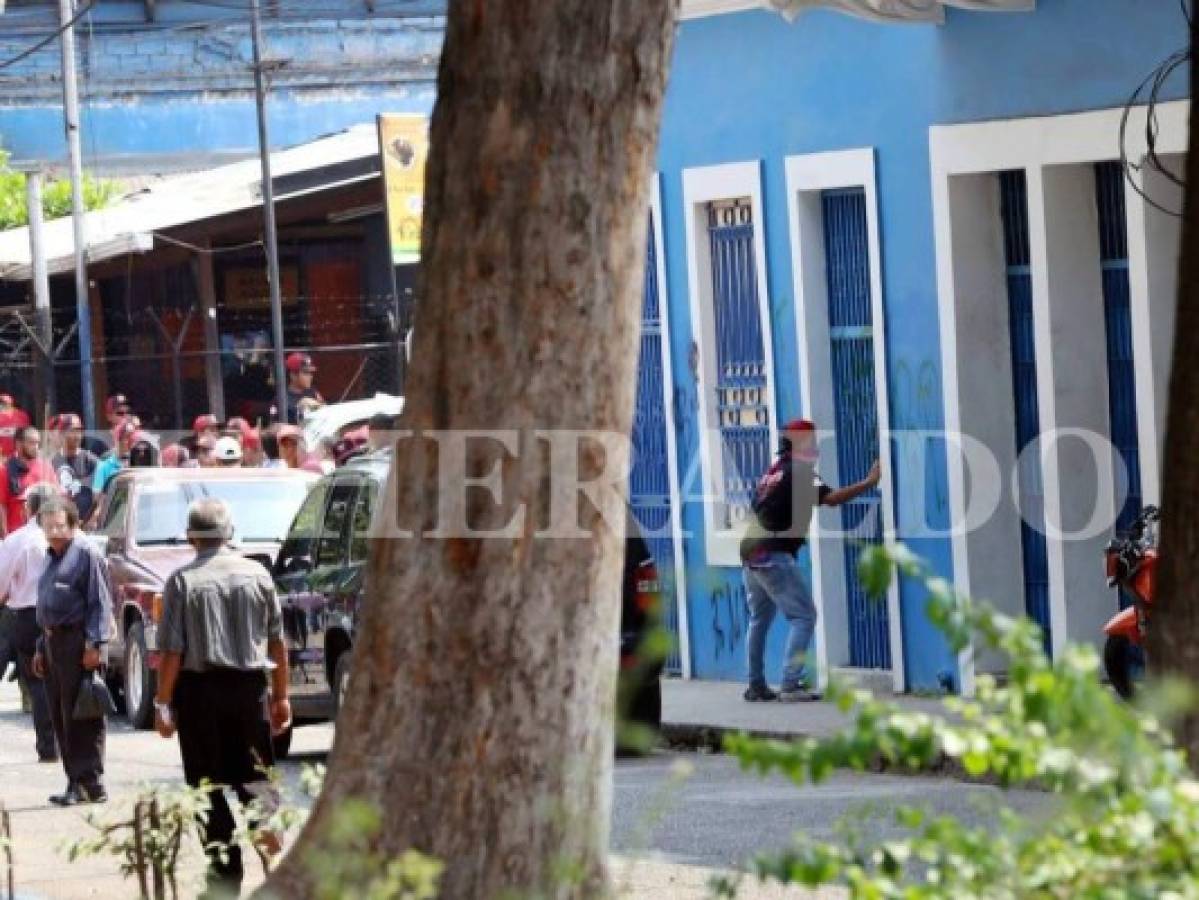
(750, 86)
(177, 92)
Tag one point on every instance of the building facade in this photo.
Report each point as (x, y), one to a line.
(917, 233)
(167, 85)
(911, 232)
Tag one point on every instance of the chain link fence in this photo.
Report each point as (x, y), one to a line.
(159, 357)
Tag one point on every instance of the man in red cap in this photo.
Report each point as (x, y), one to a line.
(74, 465)
(207, 424)
(253, 456)
(22, 470)
(116, 411)
(127, 435)
(300, 370)
(782, 505)
(11, 419)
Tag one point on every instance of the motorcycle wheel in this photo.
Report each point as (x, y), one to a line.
(1118, 662)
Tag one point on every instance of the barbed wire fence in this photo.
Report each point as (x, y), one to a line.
(159, 356)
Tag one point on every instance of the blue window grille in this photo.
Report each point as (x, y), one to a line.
(1121, 379)
(1014, 205)
(649, 480)
(741, 395)
(851, 333)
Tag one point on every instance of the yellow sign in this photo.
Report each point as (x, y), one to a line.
(404, 145)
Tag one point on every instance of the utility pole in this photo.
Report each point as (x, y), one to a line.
(268, 215)
(70, 90)
(41, 291)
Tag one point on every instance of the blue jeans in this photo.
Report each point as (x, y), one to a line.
(772, 585)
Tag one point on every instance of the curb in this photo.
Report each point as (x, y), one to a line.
(710, 739)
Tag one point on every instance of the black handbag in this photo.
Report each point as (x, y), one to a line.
(94, 701)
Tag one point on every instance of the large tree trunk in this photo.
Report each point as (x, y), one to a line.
(480, 711)
(1173, 643)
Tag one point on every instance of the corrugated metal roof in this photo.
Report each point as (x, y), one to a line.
(901, 10)
(128, 225)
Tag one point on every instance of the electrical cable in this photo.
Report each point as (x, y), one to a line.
(210, 251)
(46, 41)
(1148, 95)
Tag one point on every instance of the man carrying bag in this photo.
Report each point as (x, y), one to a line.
(74, 611)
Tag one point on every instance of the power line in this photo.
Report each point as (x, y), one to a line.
(209, 251)
(46, 41)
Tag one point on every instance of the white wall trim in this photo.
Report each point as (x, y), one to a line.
(810, 174)
(702, 185)
(699, 9)
(1038, 242)
(672, 460)
(1032, 144)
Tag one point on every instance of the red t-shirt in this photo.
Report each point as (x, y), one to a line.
(39, 471)
(10, 421)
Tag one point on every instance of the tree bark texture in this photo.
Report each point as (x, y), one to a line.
(479, 717)
(1173, 641)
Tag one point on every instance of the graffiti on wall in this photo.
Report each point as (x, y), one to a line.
(730, 618)
(922, 500)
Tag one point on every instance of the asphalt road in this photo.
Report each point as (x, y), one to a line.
(720, 817)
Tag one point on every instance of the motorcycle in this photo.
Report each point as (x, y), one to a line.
(1131, 561)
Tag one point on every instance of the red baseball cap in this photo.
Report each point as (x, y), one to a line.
(250, 439)
(65, 422)
(300, 362)
(115, 402)
(208, 420)
(238, 424)
(808, 449)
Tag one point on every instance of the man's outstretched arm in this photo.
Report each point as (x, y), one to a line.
(845, 494)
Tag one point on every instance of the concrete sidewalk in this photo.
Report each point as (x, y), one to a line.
(699, 713)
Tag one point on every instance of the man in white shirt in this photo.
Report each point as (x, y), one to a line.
(22, 559)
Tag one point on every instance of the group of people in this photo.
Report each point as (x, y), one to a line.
(223, 667)
(56, 591)
(83, 466)
(222, 682)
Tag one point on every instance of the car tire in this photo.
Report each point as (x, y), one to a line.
(140, 680)
(341, 681)
(281, 743)
(1118, 663)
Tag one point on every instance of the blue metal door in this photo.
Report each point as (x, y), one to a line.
(649, 481)
(1121, 383)
(851, 334)
(740, 357)
(1014, 207)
